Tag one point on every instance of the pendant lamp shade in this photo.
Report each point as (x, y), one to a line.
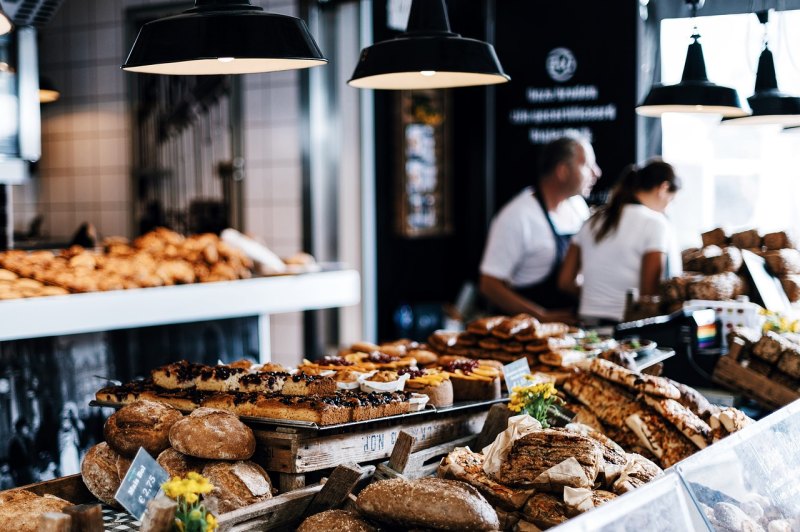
(428, 56)
(694, 94)
(5, 23)
(48, 93)
(769, 105)
(223, 37)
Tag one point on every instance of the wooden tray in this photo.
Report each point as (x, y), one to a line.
(756, 386)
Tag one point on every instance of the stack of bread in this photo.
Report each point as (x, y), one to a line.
(547, 346)
(713, 272)
(259, 391)
(550, 475)
(772, 354)
(400, 504)
(211, 442)
(656, 417)
(159, 258)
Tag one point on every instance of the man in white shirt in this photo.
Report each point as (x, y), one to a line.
(529, 237)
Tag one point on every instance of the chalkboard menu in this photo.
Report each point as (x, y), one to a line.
(573, 68)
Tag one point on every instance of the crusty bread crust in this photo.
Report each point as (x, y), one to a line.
(338, 520)
(213, 434)
(178, 464)
(101, 473)
(140, 424)
(20, 510)
(236, 485)
(427, 503)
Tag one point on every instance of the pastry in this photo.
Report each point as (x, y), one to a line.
(634, 381)
(433, 383)
(472, 381)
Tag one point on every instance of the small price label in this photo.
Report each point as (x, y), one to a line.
(142, 483)
(515, 373)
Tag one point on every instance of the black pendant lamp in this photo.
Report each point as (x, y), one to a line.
(48, 93)
(695, 93)
(428, 56)
(223, 37)
(5, 23)
(769, 105)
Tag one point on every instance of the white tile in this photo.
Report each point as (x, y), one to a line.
(84, 153)
(257, 141)
(83, 120)
(83, 82)
(287, 184)
(258, 221)
(286, 219)
(80, 46)
(114, 187)
(61, 190)
(110, 80)
(257, 184)
(59, 153)
(256, 105)
(112, 151)
(284, 103)
(113, 223)
(86, 188)
(285, 143)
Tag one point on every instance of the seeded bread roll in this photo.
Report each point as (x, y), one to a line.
(236, 485)
(178, 464)
(140, 424)
(102, 470)
(213, 434)
(339, 520)
(427, 503)
(20, 510)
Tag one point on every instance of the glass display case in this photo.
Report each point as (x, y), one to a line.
(747, 481)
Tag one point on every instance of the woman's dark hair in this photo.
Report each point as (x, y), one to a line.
(634, 179)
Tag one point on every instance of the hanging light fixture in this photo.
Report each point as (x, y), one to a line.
(769, 105)
(427, 56)
(695, 93)
(48, 93)
(223, 37)
(5, 23)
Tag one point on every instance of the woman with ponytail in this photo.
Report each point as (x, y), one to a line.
(626, 244)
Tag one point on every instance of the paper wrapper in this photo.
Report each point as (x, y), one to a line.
(368, 386)
(578, 500)
(648, 441)
(496, 452)
(568, 473)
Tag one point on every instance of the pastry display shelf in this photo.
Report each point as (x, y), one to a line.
(125, 309)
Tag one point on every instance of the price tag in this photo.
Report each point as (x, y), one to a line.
(515, 373)
(142, 483)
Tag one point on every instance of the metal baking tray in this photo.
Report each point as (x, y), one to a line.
(260, 422)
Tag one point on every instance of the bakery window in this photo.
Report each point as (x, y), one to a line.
(735, 177)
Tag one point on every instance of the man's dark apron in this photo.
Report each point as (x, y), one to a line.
(546, 292)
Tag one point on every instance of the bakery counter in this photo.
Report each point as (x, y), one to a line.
(122, 309)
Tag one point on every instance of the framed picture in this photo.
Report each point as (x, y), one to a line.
(424, 199)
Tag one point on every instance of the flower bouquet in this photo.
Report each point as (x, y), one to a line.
(191, 515)
(534, 399)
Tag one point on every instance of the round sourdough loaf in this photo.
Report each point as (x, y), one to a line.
(178, 464)
(20, 510)
(339, 520)
(236, 485)
(213, 434)
(140, 424)
(427, 503)
(102, 470)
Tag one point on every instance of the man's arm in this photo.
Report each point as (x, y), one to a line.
(499, 293)
(570, 268)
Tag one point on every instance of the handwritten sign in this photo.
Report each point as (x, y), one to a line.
(515, 373)
(142, 483)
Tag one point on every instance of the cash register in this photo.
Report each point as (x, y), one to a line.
(694, 334)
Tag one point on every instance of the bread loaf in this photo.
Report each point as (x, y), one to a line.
(101, 472)
(776, 241)
(213, 434)
(236, 485)
(178, 464)
(783, 262)
(746, 239)
(718, 287)
(427, 503)
(715, 237)
(789, 362)
(336, 520)
(791, 285)
(770, 347)
(140, 424)
(20, 510)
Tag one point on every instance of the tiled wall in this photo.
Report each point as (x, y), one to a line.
(84, 173)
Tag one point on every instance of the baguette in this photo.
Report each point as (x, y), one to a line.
(427, 503)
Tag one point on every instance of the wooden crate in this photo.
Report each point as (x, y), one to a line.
(756, 386)
(298, 451)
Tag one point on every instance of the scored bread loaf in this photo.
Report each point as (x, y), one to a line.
(776, 241)
(715, 237)
(20, 510)
(746, 239)
(213, 434)
(102, 471)
(427, 503)
(141, 424)
(338, 520)
(236, 485)
(178, 464)
(783, 262)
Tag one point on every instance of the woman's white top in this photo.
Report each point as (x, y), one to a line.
(613, 266)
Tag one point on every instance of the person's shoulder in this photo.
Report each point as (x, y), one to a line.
(578, 205)
(521, 206)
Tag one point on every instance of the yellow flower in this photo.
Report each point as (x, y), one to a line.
(212, 522)
(191, 498)
(179, 525)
